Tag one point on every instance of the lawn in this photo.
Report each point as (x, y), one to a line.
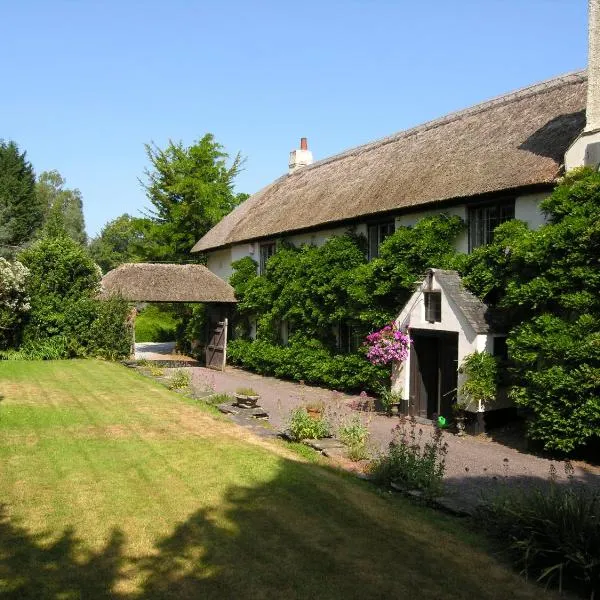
(156, 323)
(114, 487)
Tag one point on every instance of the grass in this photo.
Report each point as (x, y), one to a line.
(155, 323)
(114, 487)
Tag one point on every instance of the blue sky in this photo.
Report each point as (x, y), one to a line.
(87, 83)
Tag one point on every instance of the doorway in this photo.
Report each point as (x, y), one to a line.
(433, 373)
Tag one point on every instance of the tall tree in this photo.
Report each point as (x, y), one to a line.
(190, 189)
(121, 240)
(21, 212)
(63, 208)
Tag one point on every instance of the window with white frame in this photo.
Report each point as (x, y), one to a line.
(266, 251)
(377, 233)
(484, 219)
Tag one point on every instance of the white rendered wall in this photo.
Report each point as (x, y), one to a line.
(527, 208)
(219, 262)
(453, 320)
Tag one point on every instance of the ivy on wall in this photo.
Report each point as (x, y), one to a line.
(314, 289)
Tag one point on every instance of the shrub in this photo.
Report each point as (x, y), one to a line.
(308, 361)
(551, 534)
(179, 380)
(411, 461)
(481, 379)
(355, 434)
(302, 426)
(246, 391)
(66, 317)
(156, 323)
(14, 301)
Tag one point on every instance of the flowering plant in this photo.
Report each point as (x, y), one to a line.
(387, 345)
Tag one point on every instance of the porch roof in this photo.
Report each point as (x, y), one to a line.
(150, 282)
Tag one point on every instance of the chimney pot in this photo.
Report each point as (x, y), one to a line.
(303, 144)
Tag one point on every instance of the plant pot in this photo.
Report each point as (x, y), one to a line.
(248, 401)
(460, 425)
(394, 409)
(314, 413)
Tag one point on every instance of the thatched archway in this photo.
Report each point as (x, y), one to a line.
(156, 282)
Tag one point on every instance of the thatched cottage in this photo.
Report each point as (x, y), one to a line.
(489, 163)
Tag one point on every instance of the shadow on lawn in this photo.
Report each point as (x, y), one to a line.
(30, 567)
(282, 539)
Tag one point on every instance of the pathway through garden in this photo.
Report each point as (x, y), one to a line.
(475, 465)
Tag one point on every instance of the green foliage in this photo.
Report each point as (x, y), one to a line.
(65, 313)
(156, 323)
(302, 426)
(411, 461)
(355, 434)
(382, 286)
(388, 398)
(216, 399)
(246, 391)
(179, 380)
(551, 534)
(21, 212)
(14, 301)
(308, 361)
(191, 190)
(481, 379)
(120, 241)
(191, 327)
(315, 288)
(63, 208)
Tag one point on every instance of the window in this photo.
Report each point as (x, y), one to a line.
(378, 233)
(484, 219)
(266, 251)
(348, 338)
(433, 307)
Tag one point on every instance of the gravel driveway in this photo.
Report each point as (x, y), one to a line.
(474, 464)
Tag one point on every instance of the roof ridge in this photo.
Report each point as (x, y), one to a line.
(526, 92)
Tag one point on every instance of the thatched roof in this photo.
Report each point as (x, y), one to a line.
(514, 142)
(147, 282)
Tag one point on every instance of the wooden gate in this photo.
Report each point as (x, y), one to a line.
(216, 349)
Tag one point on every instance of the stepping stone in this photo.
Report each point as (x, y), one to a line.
(324, 444)
(227, 409)
(453, 506)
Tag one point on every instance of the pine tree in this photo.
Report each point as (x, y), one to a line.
(21, 212)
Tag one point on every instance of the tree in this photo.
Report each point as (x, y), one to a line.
(63, 208)
(66, 318)
(191, 190)
(121, 240)
(21, 212)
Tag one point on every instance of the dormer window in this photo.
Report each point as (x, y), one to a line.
(433, 306)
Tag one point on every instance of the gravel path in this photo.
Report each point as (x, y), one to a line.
(474, 465)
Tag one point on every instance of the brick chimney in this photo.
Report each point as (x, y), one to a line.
(585, 150)
(300, 158)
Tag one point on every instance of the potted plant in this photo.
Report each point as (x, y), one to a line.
(460, 416)
(391, 401)
(246, 397)
(315, 409)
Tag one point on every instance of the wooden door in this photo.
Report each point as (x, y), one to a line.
(433, 373)
(216, 349)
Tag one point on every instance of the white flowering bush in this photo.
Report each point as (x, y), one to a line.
(14, 301)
